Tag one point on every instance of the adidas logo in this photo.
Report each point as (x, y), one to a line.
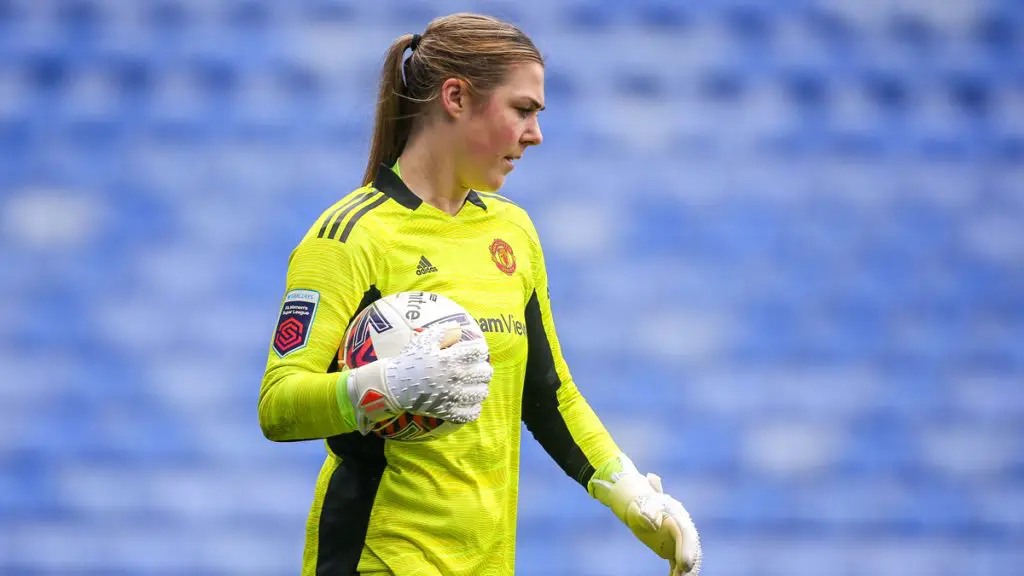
(425, 267)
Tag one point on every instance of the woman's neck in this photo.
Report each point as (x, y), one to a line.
(428, 169)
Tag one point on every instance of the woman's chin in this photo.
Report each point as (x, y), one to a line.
(493, 184)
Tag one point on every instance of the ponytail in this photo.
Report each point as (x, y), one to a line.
(478, 49)
(392, 122)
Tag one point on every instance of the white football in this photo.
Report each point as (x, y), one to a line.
(383, 328)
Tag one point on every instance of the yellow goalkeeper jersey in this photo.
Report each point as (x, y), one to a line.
(447, 506)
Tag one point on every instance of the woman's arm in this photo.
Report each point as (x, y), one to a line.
(562, 421)
(300, 397)
(554, 410)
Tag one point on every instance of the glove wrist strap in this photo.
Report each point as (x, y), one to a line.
(617, 483)
(345, 406)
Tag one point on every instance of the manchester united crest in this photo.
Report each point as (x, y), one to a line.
(503, 257)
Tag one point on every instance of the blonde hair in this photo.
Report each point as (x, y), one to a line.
(474, 48)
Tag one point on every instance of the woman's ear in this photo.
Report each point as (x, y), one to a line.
(455, 97)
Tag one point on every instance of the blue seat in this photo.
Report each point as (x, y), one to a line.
(169, 15)
(250, 16)
(27, 489)
(997, 29)
(759, 506)
(880, 443)
(79, 16)
(590, 15)
(10, 13)
(664, 16)
(17, 140)
(329, 10)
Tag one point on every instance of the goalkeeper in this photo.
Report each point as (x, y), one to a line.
(452, 119)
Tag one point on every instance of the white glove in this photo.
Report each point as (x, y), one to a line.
(656, 519)
(424, 378)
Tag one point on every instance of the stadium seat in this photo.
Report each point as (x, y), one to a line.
(794, 225)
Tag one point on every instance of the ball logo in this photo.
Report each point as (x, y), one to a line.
(359, 350)
(503, 257)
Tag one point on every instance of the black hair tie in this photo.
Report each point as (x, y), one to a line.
(415, 42)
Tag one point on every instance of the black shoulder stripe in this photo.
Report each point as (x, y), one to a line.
(362, 212)
(348, 208)
(330, 218)
(323, 229)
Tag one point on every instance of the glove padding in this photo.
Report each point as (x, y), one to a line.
(425, 378)
(655, 518)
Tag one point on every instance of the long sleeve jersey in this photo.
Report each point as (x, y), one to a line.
(446, 506)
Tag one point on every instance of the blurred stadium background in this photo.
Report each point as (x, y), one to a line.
(800, 223)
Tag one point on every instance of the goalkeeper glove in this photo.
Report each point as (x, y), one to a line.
(426, 377)
(657, 519)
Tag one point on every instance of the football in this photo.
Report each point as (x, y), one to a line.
(384, 327)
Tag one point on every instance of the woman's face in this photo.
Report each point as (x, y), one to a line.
(498, 130)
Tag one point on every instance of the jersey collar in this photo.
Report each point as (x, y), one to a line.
(391, 184)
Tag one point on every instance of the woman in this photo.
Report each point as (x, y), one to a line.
(451, 121)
